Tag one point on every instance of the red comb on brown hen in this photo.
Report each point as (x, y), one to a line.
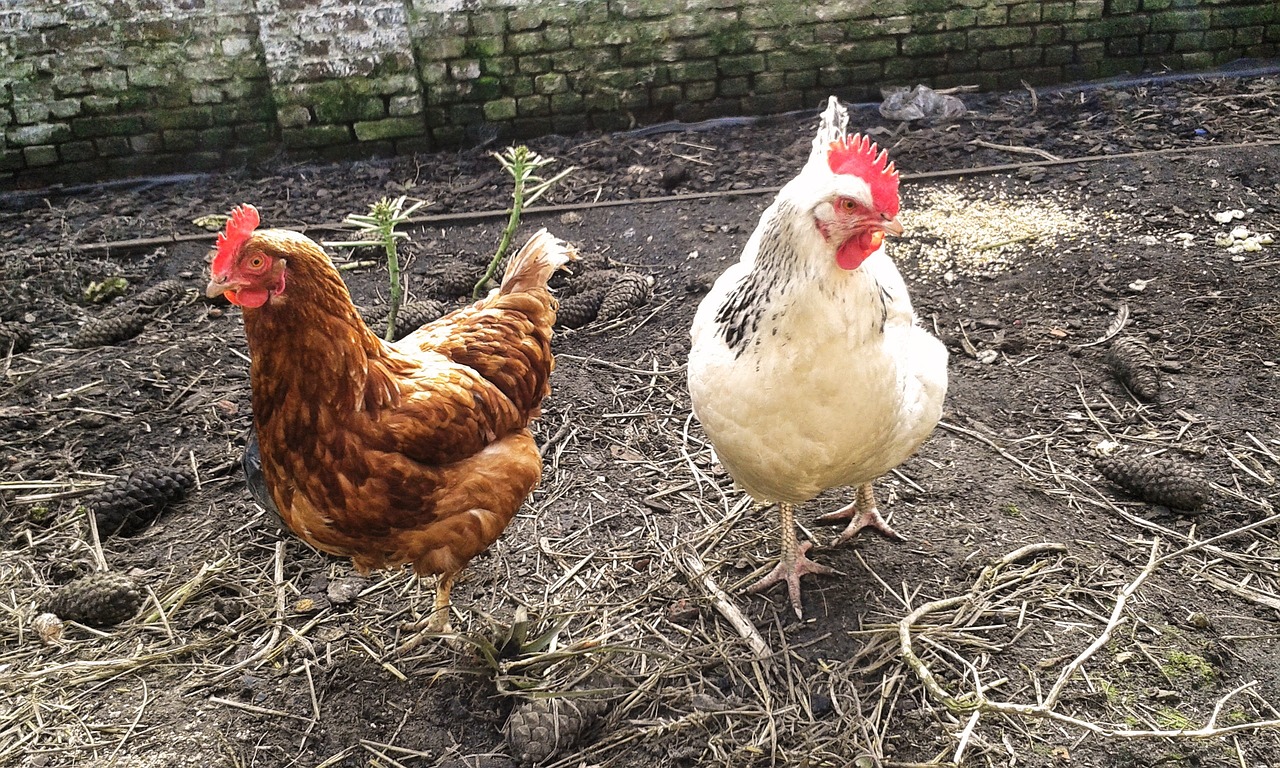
(244, 219)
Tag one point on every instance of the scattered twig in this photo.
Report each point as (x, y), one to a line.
(976, 701)
(691, 565)
(1020, 150)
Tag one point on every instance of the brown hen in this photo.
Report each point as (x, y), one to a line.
(414, 452)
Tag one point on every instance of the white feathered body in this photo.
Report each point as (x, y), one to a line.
(806, 376)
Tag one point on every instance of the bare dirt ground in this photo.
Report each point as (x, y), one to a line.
(1051, 618)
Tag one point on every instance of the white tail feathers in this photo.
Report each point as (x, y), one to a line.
(832, 126)
(534, 264)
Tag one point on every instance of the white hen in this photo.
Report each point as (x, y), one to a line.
(808, 370)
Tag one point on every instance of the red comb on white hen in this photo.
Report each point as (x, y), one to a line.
(808, 370)
(859, 156)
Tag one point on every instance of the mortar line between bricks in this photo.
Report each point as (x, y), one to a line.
(982, 170)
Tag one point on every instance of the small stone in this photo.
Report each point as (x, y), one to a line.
(820, 704)
(681, 611)
(48, 627)
(346, 590)
(674, 175)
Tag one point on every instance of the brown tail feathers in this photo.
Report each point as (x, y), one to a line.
(535, 263)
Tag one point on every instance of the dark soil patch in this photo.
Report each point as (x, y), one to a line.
(267, 653)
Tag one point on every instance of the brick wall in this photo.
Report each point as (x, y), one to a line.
(109, 88)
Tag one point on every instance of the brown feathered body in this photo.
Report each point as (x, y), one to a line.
(414, 452)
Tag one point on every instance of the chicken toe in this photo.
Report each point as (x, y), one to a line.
(794, 563)
(862, 513)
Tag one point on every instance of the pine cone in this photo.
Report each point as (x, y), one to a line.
(16, 337)
(591, 261)
(102, 331)
(1131, 362)
(586, 281)
(127, 504)
(457, 279)
(409, 318)
(538, 730)
(99, 599)
(1158, 480)
(580, 309)
(373, 317)
(629, 291)
(162, 293)
(416, 314)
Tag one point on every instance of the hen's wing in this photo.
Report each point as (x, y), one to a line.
(507, 343)
(479, 374)
(506, 337)
(443, 410)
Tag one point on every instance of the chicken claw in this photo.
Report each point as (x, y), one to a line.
(862, 513)
(794, 563)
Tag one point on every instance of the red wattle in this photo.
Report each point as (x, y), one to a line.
(856, 249)
(249, 297)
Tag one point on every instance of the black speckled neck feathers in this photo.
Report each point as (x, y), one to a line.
(738, 318)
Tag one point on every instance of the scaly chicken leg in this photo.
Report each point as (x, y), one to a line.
(794, 563)
(438, 619)
(862, 513)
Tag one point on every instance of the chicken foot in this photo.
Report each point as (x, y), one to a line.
(794, 563)
(862, 513)
(438, 619)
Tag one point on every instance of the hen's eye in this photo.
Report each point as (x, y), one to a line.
(847, 205)
(256, 262)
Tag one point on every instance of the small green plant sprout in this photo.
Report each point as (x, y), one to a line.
(383, 218)
(1173, 720)
(522, 163)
